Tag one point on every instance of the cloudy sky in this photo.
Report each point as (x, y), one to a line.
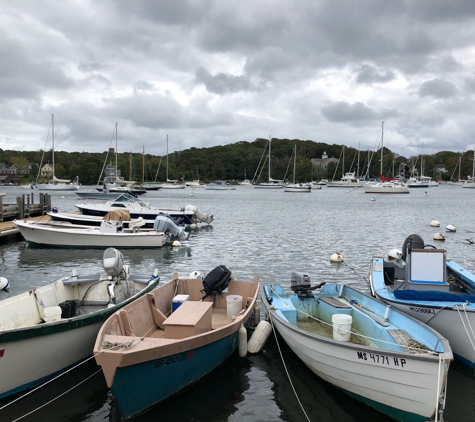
(214, 72)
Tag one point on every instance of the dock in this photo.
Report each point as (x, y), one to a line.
(25, 208)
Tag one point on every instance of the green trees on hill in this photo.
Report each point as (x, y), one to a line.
(234, 162)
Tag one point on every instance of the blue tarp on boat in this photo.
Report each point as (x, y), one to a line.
(432, 295)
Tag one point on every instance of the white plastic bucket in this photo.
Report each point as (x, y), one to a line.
(234, 305)
(342, 327)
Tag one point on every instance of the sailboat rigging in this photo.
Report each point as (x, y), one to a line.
(55, 184)
(271, 183)
(294, 187)
(171, 184)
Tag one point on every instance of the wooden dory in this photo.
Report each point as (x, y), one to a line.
(148, 353)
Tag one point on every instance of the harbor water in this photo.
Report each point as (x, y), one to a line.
(269, 233)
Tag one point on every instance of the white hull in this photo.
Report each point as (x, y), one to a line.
(412, 388)
(453, 325)
(268, 186)
(387, 188)
(297, 188)
(39, 357)
(469, 185)
(172, 186)
(44, 234)
(56, 187)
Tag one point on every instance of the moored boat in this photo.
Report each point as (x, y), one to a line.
(46, 330)
(138, 208)
(374, 353)
(171, 338)
(431, 288)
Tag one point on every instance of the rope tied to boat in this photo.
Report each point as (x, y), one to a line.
(116, 345)
(464, 307)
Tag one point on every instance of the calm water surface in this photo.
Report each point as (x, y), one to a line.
(269, 234)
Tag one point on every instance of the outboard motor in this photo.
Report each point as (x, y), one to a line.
(216, 280)
(164, 223)
(113, 262)
(413, 241)
(300, 284)
(203, 218)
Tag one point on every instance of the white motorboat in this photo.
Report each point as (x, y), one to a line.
(371, 351)
(109, 234)
(347, 181)
(138, 208)
(431, 288)
(114, 232)
(45, 331)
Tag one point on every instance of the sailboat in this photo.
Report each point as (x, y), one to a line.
(113, 184)
(470, 182)
(271, 183)
(295, 187)
(459, 180)
(386, 185)
(56, 184)
(171, 184)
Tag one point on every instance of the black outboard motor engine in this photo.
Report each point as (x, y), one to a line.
(217, 280)
(300, 284)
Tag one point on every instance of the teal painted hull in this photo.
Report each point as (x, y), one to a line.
(139, 387)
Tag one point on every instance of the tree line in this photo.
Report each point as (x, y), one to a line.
(237, 161)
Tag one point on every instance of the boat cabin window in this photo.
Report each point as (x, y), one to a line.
(428, 266)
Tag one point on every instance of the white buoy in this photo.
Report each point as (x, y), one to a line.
(242, 342)
(434, 223)
(439, 236)
(395, 254)
(425, 193)
(176, 243)
(4, 284)
(191, 194)
(336, 257)
(451, 228)
(257, 315)
(193, 226)
(195, 274)
(259, 337)
(373, 198)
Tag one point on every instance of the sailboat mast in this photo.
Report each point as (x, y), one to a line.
(382, 148)
(343, 163)
(143, 163)
(167, 161)
(52, 137)
(295, 160)
(116, 170)
(473, 164)
(358, 165)
(269, 159)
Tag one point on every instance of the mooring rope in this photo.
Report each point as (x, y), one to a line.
(286, 371)
(57, 397)
(463, 322)
(47, 382)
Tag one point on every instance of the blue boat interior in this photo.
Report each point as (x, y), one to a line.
(423, 274)
(373, 323)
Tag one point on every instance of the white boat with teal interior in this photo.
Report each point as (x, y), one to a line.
(46, 330)
(426, 285)
(371, 351)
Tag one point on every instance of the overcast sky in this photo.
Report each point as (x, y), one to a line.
(214, 72)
